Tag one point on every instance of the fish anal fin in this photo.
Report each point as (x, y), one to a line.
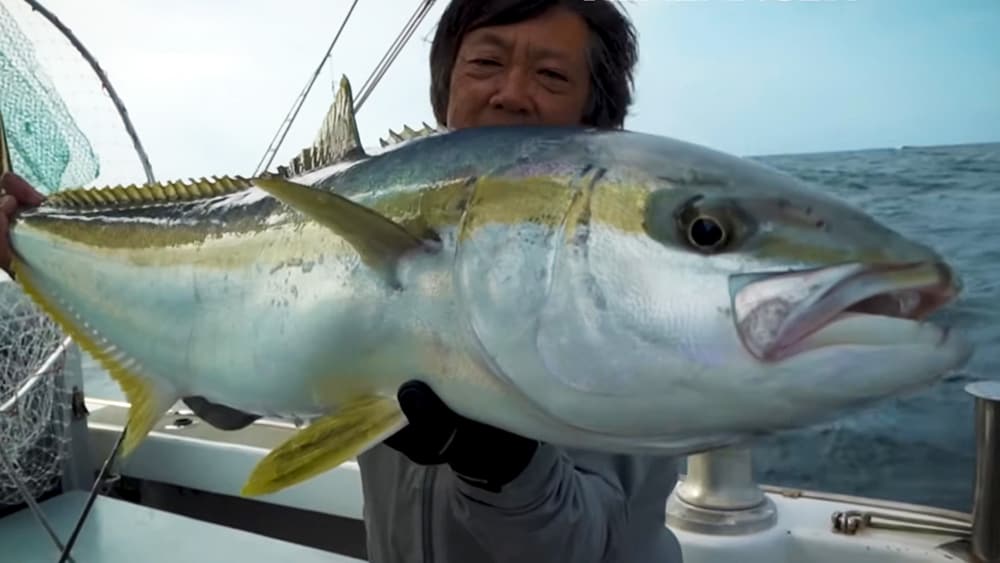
(148, 399)
(379, 240)
(326, 443)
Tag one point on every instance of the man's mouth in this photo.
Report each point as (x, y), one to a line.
(776, 312)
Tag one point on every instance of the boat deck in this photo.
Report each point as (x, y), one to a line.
(122, 532)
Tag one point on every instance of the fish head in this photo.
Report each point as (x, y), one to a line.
(703, 294)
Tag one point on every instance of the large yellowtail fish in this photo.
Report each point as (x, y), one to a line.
(599, 289)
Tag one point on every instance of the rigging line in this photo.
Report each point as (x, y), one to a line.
(364, 96)
(285, 126)
(105, 82)
(399, 36)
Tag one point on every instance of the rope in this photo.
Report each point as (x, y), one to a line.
(366, 89)
(286, 125)
(390, 56)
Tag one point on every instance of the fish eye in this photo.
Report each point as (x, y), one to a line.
(704, 225)
(706, 233)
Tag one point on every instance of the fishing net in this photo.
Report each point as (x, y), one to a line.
(58, 116)
(33, 429)
(49, 150)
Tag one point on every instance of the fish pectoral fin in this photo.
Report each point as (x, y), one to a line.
(326, 443)
(218, 415)
(379, 240)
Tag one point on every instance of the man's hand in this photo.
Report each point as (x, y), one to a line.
(17, 194)
(481, 455)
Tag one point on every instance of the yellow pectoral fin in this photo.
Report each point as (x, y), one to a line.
(326, 443)
(379, 241)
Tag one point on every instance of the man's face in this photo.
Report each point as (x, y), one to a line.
(531, 72)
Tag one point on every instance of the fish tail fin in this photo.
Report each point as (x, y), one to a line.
(326, 443)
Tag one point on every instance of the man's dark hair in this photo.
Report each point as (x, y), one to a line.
(612, 55)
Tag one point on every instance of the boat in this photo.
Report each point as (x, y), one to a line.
(177, 497)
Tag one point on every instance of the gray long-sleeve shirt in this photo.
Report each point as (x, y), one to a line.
(568, 505)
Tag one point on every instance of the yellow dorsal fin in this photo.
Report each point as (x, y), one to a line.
(137, 194)
(338, 139)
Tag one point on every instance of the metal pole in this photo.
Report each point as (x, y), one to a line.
(986, 495)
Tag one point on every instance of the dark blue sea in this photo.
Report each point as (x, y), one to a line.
(918, 448)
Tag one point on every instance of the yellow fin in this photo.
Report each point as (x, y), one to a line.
(148, 193)
(148, 399)
(379, 240)
(326, 443)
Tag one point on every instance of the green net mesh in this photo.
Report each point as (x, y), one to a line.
(47, 148)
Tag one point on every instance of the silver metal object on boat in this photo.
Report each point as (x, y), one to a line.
(720, 496)
(986, 495)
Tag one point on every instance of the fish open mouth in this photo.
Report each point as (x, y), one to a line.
(776, 313)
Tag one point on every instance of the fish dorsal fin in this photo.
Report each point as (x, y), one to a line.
(338, 139)
(407, 133)
(139, 194)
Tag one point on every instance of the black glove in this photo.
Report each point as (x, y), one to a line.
(481, 455)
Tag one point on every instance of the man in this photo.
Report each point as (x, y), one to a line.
(446, 489)
(496, 496)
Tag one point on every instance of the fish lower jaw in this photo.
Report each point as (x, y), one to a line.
(851, 329)
(858, 305)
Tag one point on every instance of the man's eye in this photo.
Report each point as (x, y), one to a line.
(553, 74)
(484, 62)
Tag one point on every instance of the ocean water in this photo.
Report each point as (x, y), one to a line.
(918, 448)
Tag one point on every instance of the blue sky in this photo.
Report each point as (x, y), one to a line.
(207, 84)
(758, 76)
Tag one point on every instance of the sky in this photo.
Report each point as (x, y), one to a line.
(207, 84)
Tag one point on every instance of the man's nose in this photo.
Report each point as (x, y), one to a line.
(514, 94)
